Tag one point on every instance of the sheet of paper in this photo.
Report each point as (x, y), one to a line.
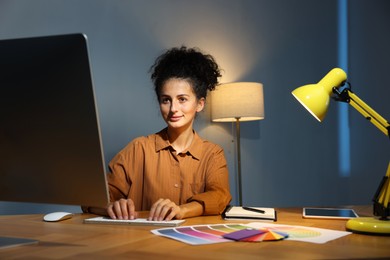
(303, 233)
(210, 234)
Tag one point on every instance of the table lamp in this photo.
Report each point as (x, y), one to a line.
(315, 98)
(236, 102)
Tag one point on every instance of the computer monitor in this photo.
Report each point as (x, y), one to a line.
(50, 142)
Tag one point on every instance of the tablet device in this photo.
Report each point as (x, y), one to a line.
(329, 213)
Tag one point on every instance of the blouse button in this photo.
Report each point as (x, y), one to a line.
(176, 185)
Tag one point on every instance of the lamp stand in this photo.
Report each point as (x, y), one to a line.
(379, 225)
(238, 147)
(369, 225)
(235, 102)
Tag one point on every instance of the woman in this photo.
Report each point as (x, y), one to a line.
(174, 174)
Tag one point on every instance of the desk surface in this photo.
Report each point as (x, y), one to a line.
(73, 239)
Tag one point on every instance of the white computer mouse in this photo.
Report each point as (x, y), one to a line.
(57, 216)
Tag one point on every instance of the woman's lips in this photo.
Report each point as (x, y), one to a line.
(175, 118)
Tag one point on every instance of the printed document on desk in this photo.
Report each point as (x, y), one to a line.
(253, 213)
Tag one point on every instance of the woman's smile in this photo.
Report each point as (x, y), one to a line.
(175, 118)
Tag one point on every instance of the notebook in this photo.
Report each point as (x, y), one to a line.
(137, 222)
(253, 213)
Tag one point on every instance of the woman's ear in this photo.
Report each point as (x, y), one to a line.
(201, 103)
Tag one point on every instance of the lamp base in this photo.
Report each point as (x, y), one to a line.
(369, 225)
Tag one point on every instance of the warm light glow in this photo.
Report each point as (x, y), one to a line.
(243, 100)
(315, 97)
(219, 33)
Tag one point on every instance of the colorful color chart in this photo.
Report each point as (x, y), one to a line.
(209, 234)
(256, 235)
(302, 233)
(267, 235)
(298, 232)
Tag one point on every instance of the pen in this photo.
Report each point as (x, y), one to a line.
(254, 210)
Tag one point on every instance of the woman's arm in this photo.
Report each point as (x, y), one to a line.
(217, 195)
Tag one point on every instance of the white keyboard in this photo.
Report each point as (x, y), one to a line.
(138, 221)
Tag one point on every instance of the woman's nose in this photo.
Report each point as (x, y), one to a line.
(174, 106)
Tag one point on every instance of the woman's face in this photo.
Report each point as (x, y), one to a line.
(178, 104)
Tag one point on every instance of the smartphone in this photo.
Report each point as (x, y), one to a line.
(330, 213)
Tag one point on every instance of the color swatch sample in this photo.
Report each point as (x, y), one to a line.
(302, 233)
(209, 234)
(256, 235)
(218, 233)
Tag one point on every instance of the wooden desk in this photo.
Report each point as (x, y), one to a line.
(73, 239)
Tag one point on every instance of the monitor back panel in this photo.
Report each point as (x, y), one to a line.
(50, 144)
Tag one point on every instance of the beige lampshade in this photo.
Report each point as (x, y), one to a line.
(243, 100)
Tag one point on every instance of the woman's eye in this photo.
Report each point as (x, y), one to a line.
(164, 100)
(182, 100)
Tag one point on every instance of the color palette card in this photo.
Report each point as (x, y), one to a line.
(243, 234)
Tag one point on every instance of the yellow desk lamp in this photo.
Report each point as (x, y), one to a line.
(315, 98)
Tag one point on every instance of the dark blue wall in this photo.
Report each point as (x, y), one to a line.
(288, 159)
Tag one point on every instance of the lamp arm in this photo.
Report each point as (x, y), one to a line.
(382, 196)
(370, 114)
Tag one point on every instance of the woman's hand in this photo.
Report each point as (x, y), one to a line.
(122, 209)
(165, 209)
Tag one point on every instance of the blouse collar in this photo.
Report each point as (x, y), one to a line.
(195, 149)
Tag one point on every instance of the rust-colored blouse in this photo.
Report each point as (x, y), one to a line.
(148, 169)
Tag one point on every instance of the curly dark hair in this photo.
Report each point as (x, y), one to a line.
(200, 70)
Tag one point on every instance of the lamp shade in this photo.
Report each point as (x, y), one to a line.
(239, 100)
(315, 97)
